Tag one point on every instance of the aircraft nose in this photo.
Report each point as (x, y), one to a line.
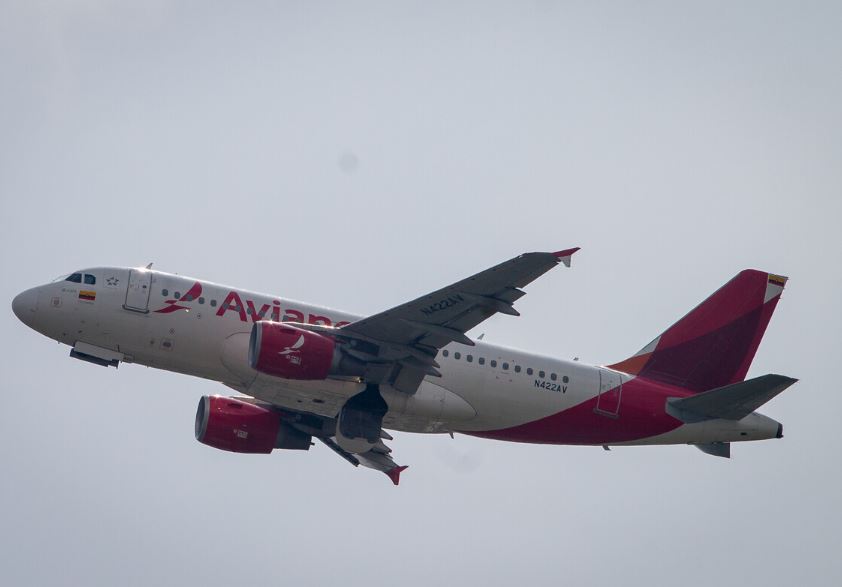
(25, 304)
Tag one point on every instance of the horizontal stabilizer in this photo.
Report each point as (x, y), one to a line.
(732, 402)
(717, 449)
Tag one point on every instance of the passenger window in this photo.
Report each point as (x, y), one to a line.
(445, 352)
(188, 298)
(505, 366)
(493, 363)
(177, 294)
(249, 311)
(517, 368)
(75, 278)
(529, 371)
(541, 374)
(469, 358)
(90, 279)
(565, 379)
(213, 303)
(481, 361)
(165, 292)
(457, 356)
(201, 300)
(553, 376)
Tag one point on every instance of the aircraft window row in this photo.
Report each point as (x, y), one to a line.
(517, 368)
(187, 297)
(86, 278)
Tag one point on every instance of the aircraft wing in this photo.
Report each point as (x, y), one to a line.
(405, 339)
(378, 458)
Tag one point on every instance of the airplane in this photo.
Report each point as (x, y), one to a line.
(306, 372)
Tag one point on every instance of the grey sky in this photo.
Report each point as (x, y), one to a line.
(360, 154)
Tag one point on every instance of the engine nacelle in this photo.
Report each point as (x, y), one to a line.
(290, 352)
(228, 423)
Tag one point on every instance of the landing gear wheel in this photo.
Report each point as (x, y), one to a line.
(362, 415)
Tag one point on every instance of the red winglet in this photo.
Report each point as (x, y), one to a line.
(566, 252)
(564, 256)
(395, 473)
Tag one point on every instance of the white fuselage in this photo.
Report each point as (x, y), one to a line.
(483, 387)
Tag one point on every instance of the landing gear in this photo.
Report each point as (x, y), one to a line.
(358, 433)
(362, 416)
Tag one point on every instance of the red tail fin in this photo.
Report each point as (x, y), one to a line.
(715, 343)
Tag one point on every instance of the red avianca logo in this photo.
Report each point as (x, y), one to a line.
(175, 305)
(234, 303)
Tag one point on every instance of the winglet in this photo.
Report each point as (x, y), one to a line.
(564, 256)
(395, 473)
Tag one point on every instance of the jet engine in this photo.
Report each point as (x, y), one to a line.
(228, 423)
(287, 351)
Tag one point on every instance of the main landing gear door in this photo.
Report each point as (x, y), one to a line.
(137, 294)
(610, 393)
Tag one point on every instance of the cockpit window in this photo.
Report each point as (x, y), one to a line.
(75, 278)
(90, 279)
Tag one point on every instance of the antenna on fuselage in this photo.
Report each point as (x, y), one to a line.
(149, 266)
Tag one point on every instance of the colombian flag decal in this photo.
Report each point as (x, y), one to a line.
(777, 280)
(86, 295)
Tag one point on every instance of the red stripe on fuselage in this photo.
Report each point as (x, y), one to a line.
(642, 414)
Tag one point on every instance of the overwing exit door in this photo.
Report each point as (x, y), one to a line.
(137, 294)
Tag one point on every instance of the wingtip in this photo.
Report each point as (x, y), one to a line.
(564, 256)
(566, 252)
(395, 473)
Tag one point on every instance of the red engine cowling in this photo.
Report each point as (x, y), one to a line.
(230, 424)
(289, 352)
